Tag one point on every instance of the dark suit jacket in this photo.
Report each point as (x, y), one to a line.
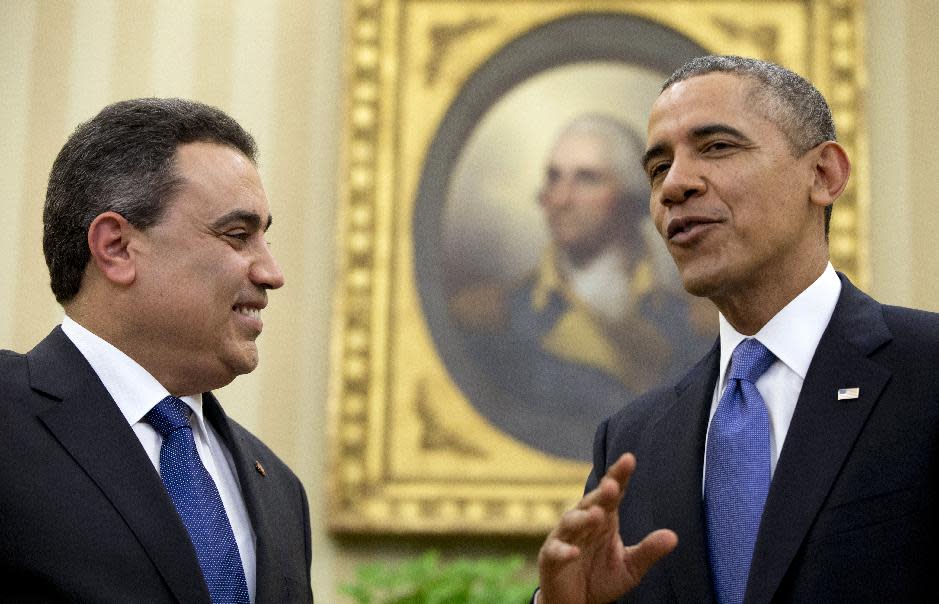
(84, 514)
(852, 510)
(553, 402)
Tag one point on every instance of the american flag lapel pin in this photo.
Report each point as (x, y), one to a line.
(259, 468)
(847, 394)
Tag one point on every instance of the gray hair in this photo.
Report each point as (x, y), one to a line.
(625, 148)
(788, 100)
(123, 161)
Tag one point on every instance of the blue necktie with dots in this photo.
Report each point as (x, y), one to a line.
(198, 503)
(737, 473)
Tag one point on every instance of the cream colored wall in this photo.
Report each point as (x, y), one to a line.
(276, 67)
(904, 148)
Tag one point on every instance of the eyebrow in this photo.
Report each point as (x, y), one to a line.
(696, 134)
(711, 129)
(252, 218)
(651, 152)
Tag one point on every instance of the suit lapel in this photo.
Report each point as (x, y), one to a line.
(270, 582)
(822, 432)
(89, 425)
(682, 431)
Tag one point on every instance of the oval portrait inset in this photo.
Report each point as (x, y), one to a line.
(550, 296)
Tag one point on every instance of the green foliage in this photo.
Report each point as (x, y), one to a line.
(426, 580)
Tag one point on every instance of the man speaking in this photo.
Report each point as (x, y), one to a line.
(798, 461)
(124, 481)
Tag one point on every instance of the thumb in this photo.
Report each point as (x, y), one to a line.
(656, 545)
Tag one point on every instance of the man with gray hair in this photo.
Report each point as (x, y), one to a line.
(125, 481)
(603, 317)
(797, 461)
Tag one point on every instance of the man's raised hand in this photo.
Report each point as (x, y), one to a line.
(584, 561)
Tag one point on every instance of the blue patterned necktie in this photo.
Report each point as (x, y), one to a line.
(737, 473)
(198, 503)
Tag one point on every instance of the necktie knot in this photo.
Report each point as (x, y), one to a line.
(168, 415)
(750, 360)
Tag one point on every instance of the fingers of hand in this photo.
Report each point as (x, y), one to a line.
(555, 553)
(609, 492)
(623, 469)
(578, 526)
(639, 558)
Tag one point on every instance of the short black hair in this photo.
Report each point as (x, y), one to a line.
(788, 100)
(123, 161)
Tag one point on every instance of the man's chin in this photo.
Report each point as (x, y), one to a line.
(244, 360)
(696, 283)
(249, 362)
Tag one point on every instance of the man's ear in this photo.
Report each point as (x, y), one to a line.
(108, 237)
(832, 168)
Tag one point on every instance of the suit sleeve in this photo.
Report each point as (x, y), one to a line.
(600, 461)
(307, 539)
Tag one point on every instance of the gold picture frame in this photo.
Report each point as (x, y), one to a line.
(411, 452)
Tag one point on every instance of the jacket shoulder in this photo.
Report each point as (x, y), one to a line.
(628, 429)
(14, 373)
(633, 427)
(648, 409)
(912, 323)
(641, 412)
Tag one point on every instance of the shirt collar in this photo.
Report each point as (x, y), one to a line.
(552, 270)
(793, 334)
(131, 386)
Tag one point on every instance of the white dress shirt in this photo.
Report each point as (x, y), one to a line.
(792, 335)
(136, 392)
(604, 283)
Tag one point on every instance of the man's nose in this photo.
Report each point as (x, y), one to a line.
(266, 272)
(682, 182)
(557, 194)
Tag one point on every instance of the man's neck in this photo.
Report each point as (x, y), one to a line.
(116, 327)
(748, 309)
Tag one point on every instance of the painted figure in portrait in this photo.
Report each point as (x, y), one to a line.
(601, 317)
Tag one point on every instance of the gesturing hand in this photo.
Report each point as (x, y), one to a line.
(584, 561)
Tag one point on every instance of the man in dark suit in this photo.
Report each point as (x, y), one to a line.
(798, 461)
(124, 481)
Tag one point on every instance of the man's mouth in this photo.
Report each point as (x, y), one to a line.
(683, 229)
(248, 311)
(251, 315)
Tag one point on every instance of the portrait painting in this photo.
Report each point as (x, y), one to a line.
(501, 288)
(562, 302)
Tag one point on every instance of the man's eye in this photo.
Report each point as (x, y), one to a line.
(239, 235)
(717, 146)
(589, 178)
(658, 170)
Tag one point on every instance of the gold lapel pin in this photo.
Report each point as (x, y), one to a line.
(846, 394)
(259, 468)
